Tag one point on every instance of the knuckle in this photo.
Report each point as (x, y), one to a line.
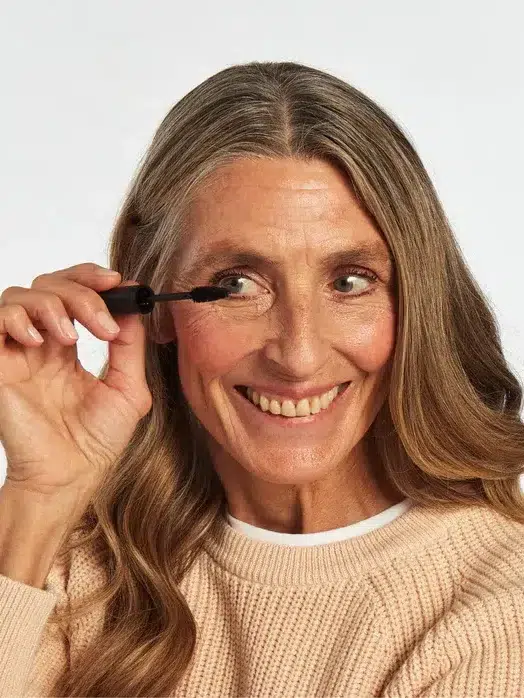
(16, 312)
(6, 293)
(89, 267)
(94, 267)
(50, 303)
(86, 300)
(38, 280)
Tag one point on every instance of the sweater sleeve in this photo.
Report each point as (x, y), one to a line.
(492, 665)
(33, 653)
(475, 652)
(24, 611)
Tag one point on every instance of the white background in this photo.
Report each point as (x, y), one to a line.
(85, 84)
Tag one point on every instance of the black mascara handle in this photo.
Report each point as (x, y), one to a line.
(127, 300)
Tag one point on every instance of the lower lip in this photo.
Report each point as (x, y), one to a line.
(265, 419)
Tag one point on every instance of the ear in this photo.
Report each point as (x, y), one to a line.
(166, 332)
(163, 338)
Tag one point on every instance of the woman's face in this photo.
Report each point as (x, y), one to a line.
(303, 317)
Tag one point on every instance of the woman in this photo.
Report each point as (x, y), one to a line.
(373, 547)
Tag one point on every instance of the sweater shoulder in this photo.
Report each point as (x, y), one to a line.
(474, 601)
(490, 550)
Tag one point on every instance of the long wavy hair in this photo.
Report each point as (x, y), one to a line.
(449, 431)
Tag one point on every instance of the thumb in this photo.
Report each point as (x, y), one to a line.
(126, 362)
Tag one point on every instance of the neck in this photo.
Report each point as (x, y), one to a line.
(346, 495)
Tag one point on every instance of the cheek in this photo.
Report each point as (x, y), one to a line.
(370, 343)
(208, 344)
(212, 346)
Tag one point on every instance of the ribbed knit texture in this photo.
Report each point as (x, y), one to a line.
(431, 604)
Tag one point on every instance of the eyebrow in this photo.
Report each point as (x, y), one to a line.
(230, 253)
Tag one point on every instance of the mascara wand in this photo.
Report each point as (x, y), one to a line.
(128, 300)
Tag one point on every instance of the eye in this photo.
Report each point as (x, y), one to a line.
(240, 289)
(236, 287)
(349, 285)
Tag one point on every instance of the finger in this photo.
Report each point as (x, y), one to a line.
(55, 301)
(127, 358)
(78, 271)
(15, 323)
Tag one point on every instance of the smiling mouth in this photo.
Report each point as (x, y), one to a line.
(242, 389)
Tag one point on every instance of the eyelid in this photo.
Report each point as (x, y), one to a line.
(217, 276)
(357, 270)
(342, 271)
(223, 274)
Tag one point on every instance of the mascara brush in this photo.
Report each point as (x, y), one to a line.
(128, 300)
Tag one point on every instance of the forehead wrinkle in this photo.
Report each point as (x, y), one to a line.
(303, 207)
(241, 254)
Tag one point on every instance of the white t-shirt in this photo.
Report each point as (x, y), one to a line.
(337, 534)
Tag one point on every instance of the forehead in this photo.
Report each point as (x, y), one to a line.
(272, 192)
(282, 207)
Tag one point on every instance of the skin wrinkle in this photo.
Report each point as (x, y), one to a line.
(215, 254)
(300, 330)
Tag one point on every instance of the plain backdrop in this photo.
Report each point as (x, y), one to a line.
(85, 85)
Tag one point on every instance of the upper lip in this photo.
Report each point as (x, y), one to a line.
(292, 393)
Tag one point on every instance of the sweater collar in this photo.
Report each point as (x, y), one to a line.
(277, 564)
(322, 537)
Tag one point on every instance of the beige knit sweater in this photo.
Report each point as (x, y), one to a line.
(430, 604)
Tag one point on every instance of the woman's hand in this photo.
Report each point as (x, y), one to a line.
(62, 427)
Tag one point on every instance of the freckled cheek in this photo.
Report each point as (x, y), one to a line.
(370, 345)
(210, 345)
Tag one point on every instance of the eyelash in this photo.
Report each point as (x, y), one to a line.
(349, 271)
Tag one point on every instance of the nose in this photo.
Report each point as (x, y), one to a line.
(298, 341)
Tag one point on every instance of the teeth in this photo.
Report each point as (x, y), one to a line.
(289, 408)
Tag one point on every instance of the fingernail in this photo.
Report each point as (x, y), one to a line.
(35, 334)
(68, 328)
